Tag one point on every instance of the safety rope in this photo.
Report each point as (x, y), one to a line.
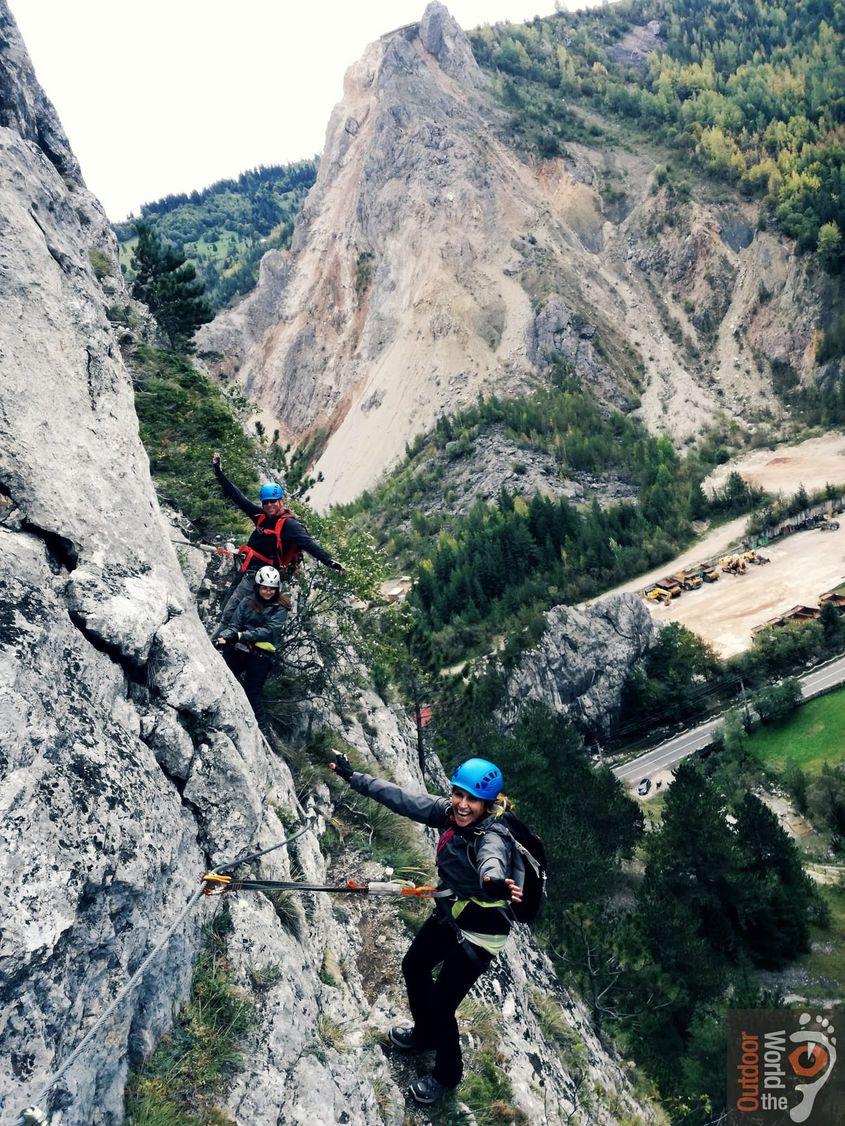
(32, 1114)
(216, 884)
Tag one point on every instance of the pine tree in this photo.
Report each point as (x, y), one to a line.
(780, 895)
(167, 285)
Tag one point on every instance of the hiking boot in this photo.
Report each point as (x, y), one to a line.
(427, 1090)
(404, 1038)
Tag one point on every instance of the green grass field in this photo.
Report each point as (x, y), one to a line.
(826, 963)
(814, 735)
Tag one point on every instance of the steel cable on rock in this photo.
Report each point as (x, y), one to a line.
(32, 1115)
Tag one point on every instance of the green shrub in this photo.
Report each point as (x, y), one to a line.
(364, 271)
(185, 1076)
(101, 264)
(184, 417)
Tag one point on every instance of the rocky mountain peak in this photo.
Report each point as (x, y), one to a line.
(434, 261)
(445, 39)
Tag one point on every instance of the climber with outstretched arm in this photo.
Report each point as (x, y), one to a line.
(279, 539)
(471, 921)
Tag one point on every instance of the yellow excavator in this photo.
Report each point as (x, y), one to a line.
(655, 594)
(733, 564)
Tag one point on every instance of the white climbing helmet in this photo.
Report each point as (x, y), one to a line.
(268, 576)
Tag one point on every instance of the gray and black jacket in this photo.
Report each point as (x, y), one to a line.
(257, 622)
(464, 858)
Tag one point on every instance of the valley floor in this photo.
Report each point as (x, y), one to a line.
(725, 613)
(802, 567)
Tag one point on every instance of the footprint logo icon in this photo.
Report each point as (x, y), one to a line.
(813, 1059)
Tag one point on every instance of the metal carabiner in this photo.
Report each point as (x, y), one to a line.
(210, 879)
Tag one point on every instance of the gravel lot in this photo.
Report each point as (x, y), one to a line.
(802, 566)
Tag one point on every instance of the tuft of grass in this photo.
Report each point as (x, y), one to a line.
(288, 912)
(101, 264)
(288, 818)
(262, 978)
(486, 1090)
(180, 1083)
(331, 1033)
(483, 1020)
(553, 1023)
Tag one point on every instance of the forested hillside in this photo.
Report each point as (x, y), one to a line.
(497, 567)
(753, 93)
(226, 228)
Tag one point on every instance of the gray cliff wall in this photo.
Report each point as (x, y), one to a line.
(579, 666)
(104, 665)
(130, 761)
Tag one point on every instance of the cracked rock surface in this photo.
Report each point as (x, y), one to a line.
(99, 647)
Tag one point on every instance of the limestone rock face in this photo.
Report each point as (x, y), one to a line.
(130, 761)
(103, 835)
(579, 667)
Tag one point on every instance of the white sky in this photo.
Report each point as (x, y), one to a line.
(163, 96)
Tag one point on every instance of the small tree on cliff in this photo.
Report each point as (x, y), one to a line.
(167, 285)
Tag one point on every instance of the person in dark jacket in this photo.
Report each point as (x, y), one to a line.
(279, 539)
(252, 635)
(475, 864)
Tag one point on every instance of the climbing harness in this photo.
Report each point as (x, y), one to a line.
(32, 1116)
(215, 884)
(286, 559)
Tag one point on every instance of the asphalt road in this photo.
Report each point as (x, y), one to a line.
(670, 752)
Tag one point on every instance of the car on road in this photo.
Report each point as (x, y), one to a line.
(644, 787)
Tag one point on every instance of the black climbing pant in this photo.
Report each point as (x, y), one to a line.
(252, 669)
(433, 1002)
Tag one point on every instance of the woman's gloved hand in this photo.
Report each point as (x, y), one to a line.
(342, 767)
(502, 889)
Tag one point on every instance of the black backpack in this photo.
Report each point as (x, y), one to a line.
(530, 848)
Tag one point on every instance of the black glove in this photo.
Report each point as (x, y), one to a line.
(335, 566)
(342, 767)
(224, 638)
(496, 889)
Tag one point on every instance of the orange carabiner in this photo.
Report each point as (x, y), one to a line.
(423, 891)
(214, 884)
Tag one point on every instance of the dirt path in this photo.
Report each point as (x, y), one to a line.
(814, 463)
(714, 542)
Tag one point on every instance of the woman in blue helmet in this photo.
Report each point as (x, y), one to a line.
(480, 874)
(279, 539)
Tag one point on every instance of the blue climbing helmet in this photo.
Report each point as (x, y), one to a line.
(271, 491)
(480, 779)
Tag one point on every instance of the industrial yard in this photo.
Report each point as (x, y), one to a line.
(725, 598)
(802, 567)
